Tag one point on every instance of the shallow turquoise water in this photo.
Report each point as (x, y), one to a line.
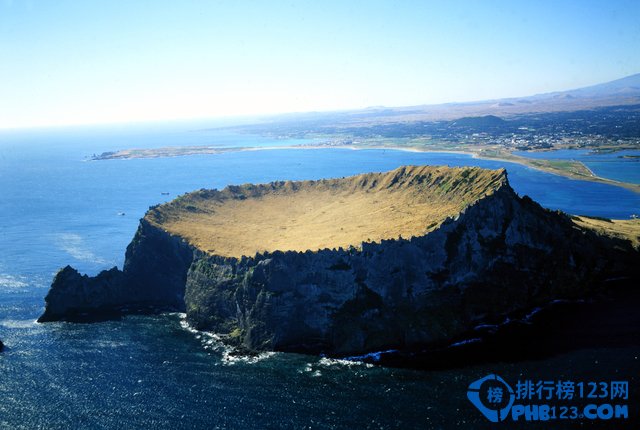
(143, 372)
(620, 166)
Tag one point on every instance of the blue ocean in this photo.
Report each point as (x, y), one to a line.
(57, 207)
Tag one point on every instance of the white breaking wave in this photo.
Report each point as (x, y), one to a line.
(229, 358)
(336, 362)
(211, 341)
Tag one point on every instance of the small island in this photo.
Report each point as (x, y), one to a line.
(400, 260)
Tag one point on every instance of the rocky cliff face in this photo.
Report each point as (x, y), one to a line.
(501, 254)
(153, 277)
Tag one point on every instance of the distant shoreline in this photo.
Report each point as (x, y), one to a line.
(541, 165)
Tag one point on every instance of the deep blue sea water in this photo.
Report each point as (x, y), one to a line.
(57, 208)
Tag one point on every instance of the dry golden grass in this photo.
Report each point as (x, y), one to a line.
(312, 215)
(622, 229)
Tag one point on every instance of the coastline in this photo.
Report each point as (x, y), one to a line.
(509, 158)
(240, 281)
(592, 178)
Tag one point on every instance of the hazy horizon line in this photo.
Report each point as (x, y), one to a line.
(242, 118)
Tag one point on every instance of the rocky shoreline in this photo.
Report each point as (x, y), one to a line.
(500, 256)
(606, 320)
(153, 279)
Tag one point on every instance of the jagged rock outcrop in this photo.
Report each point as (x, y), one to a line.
(497, 253)
(153, 277)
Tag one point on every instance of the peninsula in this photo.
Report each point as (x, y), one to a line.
(602, 118)
(568, 168)
(408, 258)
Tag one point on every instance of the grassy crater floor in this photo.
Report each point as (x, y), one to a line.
(311, 215)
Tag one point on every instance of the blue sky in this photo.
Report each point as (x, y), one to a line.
(83, 62)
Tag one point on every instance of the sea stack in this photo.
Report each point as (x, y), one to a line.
(399, 259)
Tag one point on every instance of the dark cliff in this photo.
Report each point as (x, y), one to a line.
(153, 277)
(500, 254)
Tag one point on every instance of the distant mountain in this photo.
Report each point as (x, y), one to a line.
(486, 121)
(621, 92)
(628, 87)
(625, 91)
